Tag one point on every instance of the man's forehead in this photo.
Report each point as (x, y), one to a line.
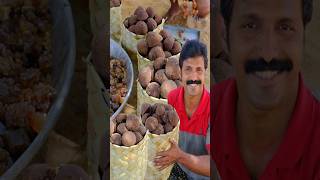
(197, 61)
(262, 9)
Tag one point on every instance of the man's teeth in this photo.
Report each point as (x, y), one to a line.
(193, 85)
(266, 74)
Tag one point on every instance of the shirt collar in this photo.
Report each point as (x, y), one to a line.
(296, 137)
(205, 99)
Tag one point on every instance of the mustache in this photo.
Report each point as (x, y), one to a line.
(193, 82)
(261, 64)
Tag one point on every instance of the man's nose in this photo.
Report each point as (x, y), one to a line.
(269, 45)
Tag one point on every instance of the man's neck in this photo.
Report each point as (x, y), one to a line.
(260, 132)
(191, 103)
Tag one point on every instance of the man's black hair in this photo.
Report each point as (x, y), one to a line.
(227, 8)
(191, 49)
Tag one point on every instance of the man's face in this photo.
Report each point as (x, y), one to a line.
(266, 44)
(193, 69)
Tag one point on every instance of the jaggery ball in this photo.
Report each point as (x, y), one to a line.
(158, 19)
(145, 76)
(159, 63)
(166, 87)
(159, 130)
(122, 128)
(152, 24)
(121, 118)
(173, 70)
(153, 89)
(142, 47)
(168, 127)
(151, 123)
(165, 34)
(145, 108)
(139, 137)
(150, 12)
(116, 139)
(168, 43)
(155, 53)
(167, 54)
(160, 76)
(129, 139)
(141, 28)
(132, 20)
(176, 49)
(173, 118)
(153, 39)
(141, 13)
(133, 122)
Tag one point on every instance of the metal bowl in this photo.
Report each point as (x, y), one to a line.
(118, 52)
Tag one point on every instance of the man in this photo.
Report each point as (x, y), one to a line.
(266, 123)
(192, 103)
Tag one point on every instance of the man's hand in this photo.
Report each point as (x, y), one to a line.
(166, 158)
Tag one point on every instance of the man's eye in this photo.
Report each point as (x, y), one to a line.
(286, 27)
(249, 26)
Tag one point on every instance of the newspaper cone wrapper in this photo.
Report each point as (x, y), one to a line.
(129, 162)
(143, 97)
(158, 143)
(129, 40)
(115, 21)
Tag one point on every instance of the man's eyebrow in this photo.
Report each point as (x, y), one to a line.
(286, 20)
(250, 16)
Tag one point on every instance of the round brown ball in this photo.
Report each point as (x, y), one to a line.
(160, 76)
(139, 137)
(167, 54)
(168, 107)
(173, 70)
(141, 13)
(160, 110)
(166, 87)
(122, 128)
(144, 117)
(168, 127)
(153, 89)
(153, 39)
(142, 130)
(132, 29)
(150, 12)
(168, 43)
(116, 139)
(151, 123)
(158, 19)
(133, 122)
(159, 63)
(141, 28)
(145, 108)
(176, 49)
(155, 53)
(142, 47)
(121, 118)
(126, 22)
(152, 24)
(159, 130)
(129, 139)
(173, 118)
(165, 34)
(145, 76)
(132, 20)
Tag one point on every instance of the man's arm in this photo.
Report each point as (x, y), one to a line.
(196, 164)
